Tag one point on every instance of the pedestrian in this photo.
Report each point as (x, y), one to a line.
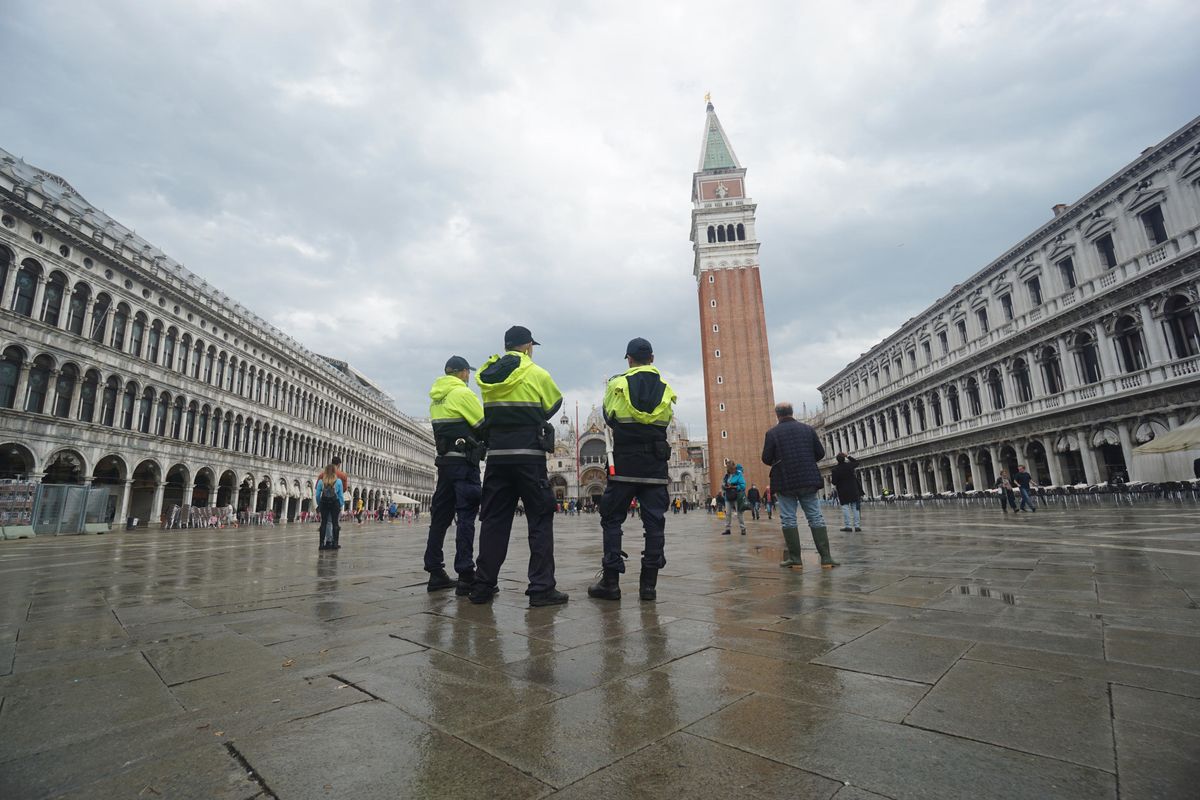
(712, 505)
(638, 407)
(733, 491)
(518, 398)
(1004, 484)
(457, 418)
(769, 501)
(754, 499)
(792, 450)
(336, 462)
(1023, 480)
(329, 499)
(849, 492)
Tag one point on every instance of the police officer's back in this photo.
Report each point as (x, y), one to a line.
(457, 418)
(518, 397)
(638, 409)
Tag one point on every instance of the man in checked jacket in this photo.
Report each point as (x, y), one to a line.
(792, 450)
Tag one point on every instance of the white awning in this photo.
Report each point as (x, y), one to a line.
(1186, 437)
(405, 500)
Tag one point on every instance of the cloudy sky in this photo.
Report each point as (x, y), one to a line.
(395, 182)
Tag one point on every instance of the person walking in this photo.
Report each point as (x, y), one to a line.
(457, 417)
(792, 449)
(1023, 479)
(518, 398)
(849, 492)
(754, 499)
(769, 501)
(329, 499)
(638, 407)
(1004, 484)
(733, 489)
(336, 463)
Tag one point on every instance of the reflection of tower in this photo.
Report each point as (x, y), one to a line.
(738, 393)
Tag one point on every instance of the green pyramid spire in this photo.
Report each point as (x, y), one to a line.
(716, 151)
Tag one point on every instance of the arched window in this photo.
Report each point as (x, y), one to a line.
(80, 299)
(164, 410)
(919, 406)
(1129, 344)
(241, 382)
(202, 431)
(128, 403)
(154, 340)
(56, 290)
(108, 403)
(720, 233)
(177, 418)
(209, 357)
(137, 334)
(996, 387)
(197, 358)
(100, 317)
(185, 350)
(26, 287)
(6, 259)
(87, 395)
(146, 410)
(39, 384)
(120, 321)
(1051, 371)
(741, 232)
(730, 233)
(64, 390)
(1087, 358)
(1183, 332)
(10, 375)
(712, 234)
(935, 404)
(221, 369)
(973, 404)
(189, 427)
(169, 348)
(1020, 372)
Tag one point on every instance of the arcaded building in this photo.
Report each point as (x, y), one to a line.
(120, 368)
(1063, 354)
(739, 396)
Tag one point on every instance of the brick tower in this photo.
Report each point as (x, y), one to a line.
(739, 397)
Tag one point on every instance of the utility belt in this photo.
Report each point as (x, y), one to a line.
(466, 447)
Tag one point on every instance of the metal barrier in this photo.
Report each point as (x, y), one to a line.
(62, 509)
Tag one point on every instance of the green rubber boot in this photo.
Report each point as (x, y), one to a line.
(821, 540)
(792, 537)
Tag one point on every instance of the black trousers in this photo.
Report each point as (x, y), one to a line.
(503, 485)
(456, 494)
(330, 522)
(614, 506)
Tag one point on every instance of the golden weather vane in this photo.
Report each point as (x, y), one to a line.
(708, 97)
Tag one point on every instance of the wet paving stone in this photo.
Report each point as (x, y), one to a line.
(956, 653)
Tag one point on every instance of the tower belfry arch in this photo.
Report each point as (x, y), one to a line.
(738, 392)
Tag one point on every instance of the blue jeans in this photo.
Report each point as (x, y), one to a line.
(852, 514)
(808, 502)
(1026, 498)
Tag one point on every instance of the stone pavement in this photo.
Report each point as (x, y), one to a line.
(956, 653)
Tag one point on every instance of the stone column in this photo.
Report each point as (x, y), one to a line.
(1152, 336)
(156, 505)
(123, 506)
(1052, 462)
(956, 472)
(1108, 356)
(1126, 446)
(1091, 469)
(996, 465)
(938, 483)
(39, 297)
(22, 387)
(922, 480)
(976, 472)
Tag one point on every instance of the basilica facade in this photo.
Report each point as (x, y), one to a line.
(120, 368)
(578, 466)
(1063, 354)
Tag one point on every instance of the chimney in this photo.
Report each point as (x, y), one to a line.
(1059, 208)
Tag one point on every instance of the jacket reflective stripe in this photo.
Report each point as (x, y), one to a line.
(516, 452)
(521, 403)
(631, 421)
(632, 479)
(453, 454)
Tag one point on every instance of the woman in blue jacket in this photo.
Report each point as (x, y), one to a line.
(330, 503)
(733, 487)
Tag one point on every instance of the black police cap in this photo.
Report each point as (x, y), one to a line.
(518, 335)
(639, 349)
(457, 364)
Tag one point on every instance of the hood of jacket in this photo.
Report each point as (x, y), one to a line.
(444, 386)
(502, 372)
(739, 469)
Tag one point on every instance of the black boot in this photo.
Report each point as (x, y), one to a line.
(647, 583)
(608, 587)
(465, 581)
(438, 580)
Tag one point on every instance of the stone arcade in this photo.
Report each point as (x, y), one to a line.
(118, 367)
(1063, 354)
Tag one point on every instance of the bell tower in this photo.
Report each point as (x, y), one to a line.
(739, 397)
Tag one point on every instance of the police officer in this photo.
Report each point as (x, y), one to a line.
(518, 398)
(637, 406)
(457, 418)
